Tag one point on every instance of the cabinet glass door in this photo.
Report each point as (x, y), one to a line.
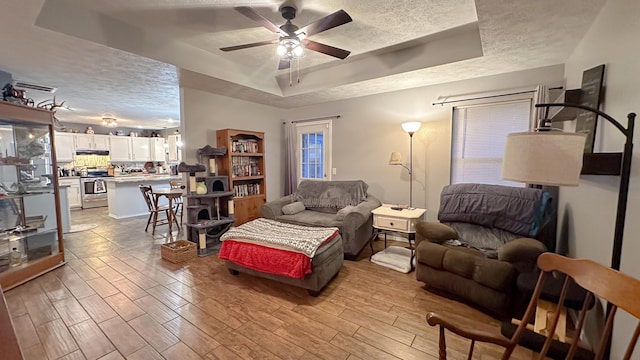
(28, 218)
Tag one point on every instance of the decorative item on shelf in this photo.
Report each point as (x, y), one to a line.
(89, 130)
(109, 122)
(590, 95)
(16, 96)
(52, 106)
(396, 157)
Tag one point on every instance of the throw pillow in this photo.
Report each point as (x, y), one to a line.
(344, 211)
(293, 208)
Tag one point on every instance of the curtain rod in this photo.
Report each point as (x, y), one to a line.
(314, 119)
(492, 96)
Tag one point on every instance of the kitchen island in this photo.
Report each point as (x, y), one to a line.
(124, 197)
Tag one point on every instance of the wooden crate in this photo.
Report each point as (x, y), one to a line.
(178, 251)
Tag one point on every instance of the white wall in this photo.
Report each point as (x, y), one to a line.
(591, 207)
(365, 135)
(369, 130)
(203, 113)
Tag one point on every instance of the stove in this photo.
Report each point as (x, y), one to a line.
(95, 174)
(94, 190)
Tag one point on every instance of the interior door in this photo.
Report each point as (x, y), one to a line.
(313, 150)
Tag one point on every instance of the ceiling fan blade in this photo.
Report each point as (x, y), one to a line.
(330, 21)
(284, 64)
(245, 46)
(326, 49)
(251, 14)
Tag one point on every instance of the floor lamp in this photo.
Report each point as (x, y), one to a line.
(396, 158)
(555, 158)
(544, 158)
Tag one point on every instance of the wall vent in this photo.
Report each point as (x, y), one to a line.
(28, 86)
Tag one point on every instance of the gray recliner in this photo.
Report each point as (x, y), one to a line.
(487, 236)
(343, 204)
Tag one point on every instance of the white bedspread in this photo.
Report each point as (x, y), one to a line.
(271, 233)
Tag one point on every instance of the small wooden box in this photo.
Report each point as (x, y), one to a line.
(178, 251)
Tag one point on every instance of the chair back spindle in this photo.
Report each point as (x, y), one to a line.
(147, 193)
(618, 289)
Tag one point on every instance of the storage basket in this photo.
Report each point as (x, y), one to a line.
(178, 251)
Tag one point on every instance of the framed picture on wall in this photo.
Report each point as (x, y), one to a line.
(590, 95)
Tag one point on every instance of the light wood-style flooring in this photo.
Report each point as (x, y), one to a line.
(116, 298)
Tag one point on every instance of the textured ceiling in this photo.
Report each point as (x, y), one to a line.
(122, 57)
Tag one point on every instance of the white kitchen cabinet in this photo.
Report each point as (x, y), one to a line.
(73, 191)
(84, 142)
(175, 148)
(157, 149)
(120, 148)
(140, 149)
(101, 142)
(65, 147)
(92, 142)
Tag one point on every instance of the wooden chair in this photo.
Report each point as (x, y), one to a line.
(620, 290)
(147, 193)
(178, 202)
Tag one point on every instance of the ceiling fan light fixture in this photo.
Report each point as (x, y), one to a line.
(281, 50)
(289, 48)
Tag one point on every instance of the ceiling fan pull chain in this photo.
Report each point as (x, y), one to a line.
(290, 76)
(298, 69)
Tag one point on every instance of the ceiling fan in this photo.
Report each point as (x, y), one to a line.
(294, 40)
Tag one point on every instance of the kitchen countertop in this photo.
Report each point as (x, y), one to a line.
(137, 178)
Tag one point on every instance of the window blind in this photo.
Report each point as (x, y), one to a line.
(478, 140)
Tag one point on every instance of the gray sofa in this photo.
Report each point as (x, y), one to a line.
(343, 204)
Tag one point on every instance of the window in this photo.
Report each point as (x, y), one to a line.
(313, 150)
(478, 139)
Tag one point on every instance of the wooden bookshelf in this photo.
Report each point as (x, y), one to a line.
(244, 164)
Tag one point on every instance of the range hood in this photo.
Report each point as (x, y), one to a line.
(92, 152)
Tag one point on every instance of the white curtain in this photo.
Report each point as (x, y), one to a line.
(291, 178)
(541, 96)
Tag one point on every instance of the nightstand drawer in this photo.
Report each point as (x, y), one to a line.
(391, 223)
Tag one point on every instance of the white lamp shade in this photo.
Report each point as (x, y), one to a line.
(544, 158)
(411, 127)
(395, 159)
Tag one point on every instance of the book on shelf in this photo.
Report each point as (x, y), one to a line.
(242, 166)
(244, 146)
(243, 190)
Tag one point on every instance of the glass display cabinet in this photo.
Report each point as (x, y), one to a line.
(30, 225)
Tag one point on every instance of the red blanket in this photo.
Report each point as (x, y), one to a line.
(268, 260)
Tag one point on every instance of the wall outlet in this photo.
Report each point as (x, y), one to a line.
(333, 171)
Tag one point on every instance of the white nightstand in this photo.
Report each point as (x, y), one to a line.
(403, 221)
